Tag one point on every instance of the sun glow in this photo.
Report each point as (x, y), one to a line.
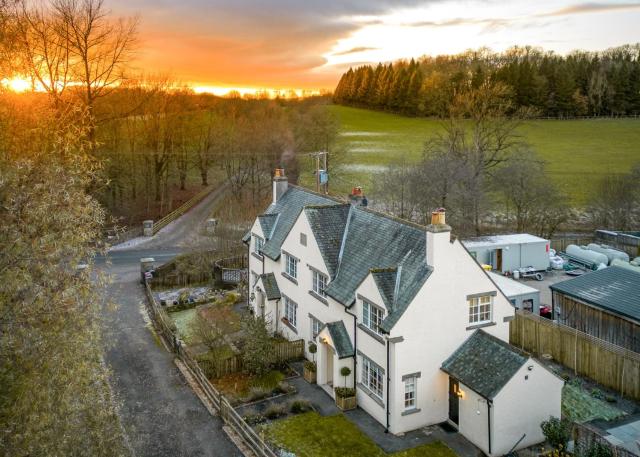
(17, 84)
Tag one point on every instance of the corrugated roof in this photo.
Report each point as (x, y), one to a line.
(485, 363)
(341, 341)
(501, 240)
(613, 289)
(270, 284)
(510, 287)
(288, 208)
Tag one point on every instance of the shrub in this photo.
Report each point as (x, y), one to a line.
(557, 432)
(594, 450)
(313, 348)
(257, 393)
(596, 393)
(274, 411)
(300, 406)
(345, 392)
(254, 419)
(345, 371)
(311, 366)
(610, 399)
(284, 387)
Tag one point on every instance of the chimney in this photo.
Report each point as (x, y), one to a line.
(438, 237)
(280, 184)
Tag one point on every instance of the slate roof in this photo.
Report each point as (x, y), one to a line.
(614, 289)
(270, 284)
(341, 341)
(288, 209)
(267, 222)
(484, 363)
(354, 241)
(328, 223)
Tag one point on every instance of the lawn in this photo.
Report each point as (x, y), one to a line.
(311, 435)
(578, 152)
(580, 406)
(184, 320)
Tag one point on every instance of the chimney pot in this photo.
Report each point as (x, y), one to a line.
(279, 173)
(438, 217)
(280, 184)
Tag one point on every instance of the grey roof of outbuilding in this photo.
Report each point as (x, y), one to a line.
(614, 289)
(341, 341)
(485, 363)
(288, 208)
(270, 284)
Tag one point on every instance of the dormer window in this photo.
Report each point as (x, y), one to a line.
(258, 243)
(372, 316)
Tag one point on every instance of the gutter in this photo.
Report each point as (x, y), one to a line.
(386, 429)
(489, 403)
(355, 345)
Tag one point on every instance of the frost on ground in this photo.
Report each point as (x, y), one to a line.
(364, 168)
(364, 133)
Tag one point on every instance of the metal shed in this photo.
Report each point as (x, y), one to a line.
(520, 295)
(509, 252)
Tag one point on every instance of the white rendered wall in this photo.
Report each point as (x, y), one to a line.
(473, 422)
(522, 405)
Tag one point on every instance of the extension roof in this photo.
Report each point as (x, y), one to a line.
(355, 241)
(340, 338)
(484, 363)
(613, 289)
(271, 288)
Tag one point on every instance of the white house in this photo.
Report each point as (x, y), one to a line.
(423, 327)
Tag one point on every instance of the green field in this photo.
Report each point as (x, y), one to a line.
(578, 152)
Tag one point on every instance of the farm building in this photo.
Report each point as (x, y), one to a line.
(604, 304)
(510, 252)
(520, 295)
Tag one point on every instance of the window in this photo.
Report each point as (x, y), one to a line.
(480, 309)
(291, 266)
(316, 325)
(319, 282)
(372, 377)
(372, 316)
(290, 311)
(257, 244)
(410, 392)
(303, 239)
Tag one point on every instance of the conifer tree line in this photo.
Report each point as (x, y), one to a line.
(605, 83)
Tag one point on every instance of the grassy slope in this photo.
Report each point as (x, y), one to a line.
(578, 152)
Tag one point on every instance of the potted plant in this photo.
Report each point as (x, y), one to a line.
(310, 368)
(345, 398)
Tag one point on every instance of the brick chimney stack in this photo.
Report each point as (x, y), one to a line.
(438, 237)
(280, 184)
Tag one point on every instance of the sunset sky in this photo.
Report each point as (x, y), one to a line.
(308, 43)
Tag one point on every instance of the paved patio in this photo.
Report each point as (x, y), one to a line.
(325, 406)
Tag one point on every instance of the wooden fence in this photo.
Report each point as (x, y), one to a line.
(585, 435)
(179, 211)
(560, 244)
(228, 414)
(284, 351)
(604, 362)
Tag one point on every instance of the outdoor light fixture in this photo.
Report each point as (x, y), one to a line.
(530, 368)
(252, 296)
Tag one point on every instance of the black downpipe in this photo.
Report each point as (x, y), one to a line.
(489, 402)
(386, 430)
(355, 347)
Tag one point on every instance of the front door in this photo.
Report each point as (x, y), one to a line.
(329, 353)
(454, 400)
(499, 260)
